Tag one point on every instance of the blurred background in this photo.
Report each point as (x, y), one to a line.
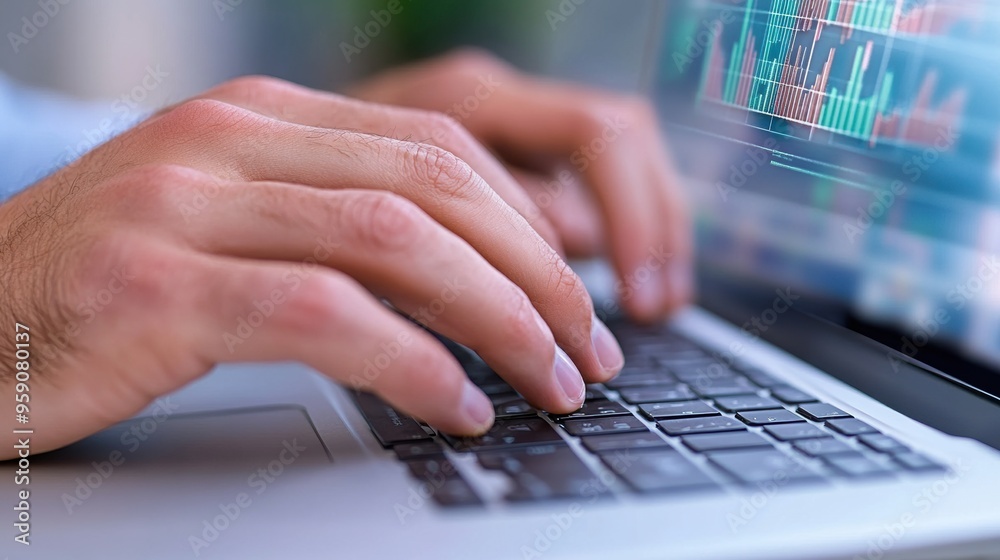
(103, 49)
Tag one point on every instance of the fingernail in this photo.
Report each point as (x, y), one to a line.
(649, 295)
(609, 353)
(570, 380)
(476, 407)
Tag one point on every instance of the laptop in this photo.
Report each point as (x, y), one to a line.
(835, 393)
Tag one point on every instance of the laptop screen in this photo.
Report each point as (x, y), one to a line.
(848, 150)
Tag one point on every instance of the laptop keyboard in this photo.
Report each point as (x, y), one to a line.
(677, 419)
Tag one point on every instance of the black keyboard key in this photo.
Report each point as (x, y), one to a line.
(603, 425)
(761, 378)
(656, 393)
(695, 372)
(496, 389)
(657, 471)
(682, 409)
(856, 466)
(497, 398)
(850, 426)
(632, 440)
(821, 411)
(418, 449)
(594, 409)
(594, 394)
(702, 425)
(823, 446)
(917, 462)
(388, 424)
(640, 380)
(509, 432)
(791, 395)
(883, 443)
(725, 387)
(440, 479)
(747, 402)
(729, 440)
(764, 417)
(545, 472)
(768, 465)
(480, 374)
(792, 432)
(512, 407)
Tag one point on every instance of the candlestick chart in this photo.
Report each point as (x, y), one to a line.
(844, 68)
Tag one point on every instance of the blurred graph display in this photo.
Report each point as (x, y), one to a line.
(849, 148)
(831, 65)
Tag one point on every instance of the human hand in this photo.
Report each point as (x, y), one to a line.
(555, 136)
(134, 266)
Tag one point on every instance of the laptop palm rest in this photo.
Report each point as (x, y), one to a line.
(183, 461)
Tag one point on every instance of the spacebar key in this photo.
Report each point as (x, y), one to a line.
(388, 424)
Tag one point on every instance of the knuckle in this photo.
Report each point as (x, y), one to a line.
(143, 273)
(251, 85)
(467, 60)
(385, 221)
(444, 129)
(444, 172)
(441, 375)
(317, 305)
(151, 190)
(205, 118)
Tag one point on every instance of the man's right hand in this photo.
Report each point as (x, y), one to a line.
(220, 232)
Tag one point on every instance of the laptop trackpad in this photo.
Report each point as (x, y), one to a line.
(182, 458)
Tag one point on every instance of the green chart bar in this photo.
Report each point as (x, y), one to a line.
(737, 57)
(834, 8)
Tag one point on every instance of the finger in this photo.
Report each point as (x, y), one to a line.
(295, 104)
(272, 311)
(392, 247)
(676, 225)
(229, 145)
(609, 139)
(612, 144)
(569, 207)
